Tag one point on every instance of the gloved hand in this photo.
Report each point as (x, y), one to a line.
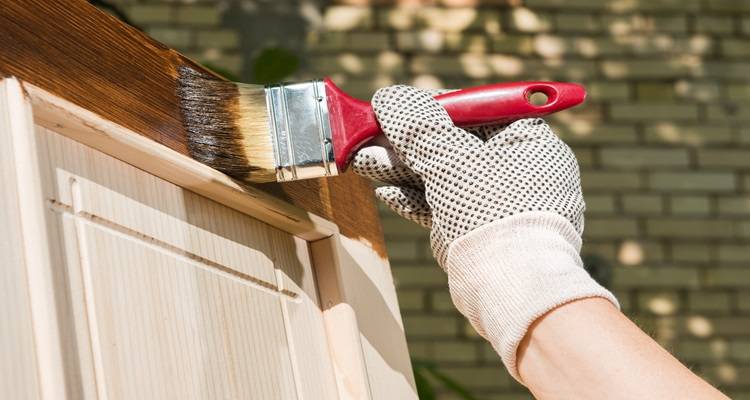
(504, 207)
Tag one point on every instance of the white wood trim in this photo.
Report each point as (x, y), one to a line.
(36, 252)
(92, 130)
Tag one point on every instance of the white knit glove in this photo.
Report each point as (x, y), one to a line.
(504, 207)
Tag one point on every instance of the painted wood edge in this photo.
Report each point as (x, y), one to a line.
(340, 319)
(36, 253)
(88, 128)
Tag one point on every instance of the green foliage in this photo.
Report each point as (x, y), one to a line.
(424, 369)
(273, 64)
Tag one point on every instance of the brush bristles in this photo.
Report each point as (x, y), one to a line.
(227, 125)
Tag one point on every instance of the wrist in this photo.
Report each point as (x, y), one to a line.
(506, 274)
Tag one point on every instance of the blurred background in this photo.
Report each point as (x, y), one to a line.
(663, 142)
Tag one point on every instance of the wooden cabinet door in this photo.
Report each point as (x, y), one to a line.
(135, 287)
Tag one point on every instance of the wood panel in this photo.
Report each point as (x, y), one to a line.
(83, 55)
(18, 364)
(174, 295)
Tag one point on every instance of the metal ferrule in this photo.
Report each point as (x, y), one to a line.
(300, 130)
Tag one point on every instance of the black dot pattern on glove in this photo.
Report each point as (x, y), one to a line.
(407, 202)
(381, 164)
(472, 179)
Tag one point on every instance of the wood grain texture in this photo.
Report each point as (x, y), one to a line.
(18, 365)
(174, 295)
(83, 55)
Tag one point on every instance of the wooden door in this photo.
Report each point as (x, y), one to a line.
(133, 272)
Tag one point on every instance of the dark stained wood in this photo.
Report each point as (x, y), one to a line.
(92, 59)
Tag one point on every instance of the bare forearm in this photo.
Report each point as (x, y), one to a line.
(587, 349)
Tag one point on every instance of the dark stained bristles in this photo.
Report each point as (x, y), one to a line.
(227, 125)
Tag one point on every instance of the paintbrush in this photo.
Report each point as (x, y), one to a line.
(292, 131)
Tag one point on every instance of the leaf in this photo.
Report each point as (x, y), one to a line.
(273, 64)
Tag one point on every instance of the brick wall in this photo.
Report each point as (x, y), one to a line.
(662, 142)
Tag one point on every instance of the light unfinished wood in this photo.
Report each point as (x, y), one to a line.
(105, 216)
(18, 365)
(183, 297)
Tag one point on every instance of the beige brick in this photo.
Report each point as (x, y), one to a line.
(178, 38)
(709, 302)
(659, 302)
(738, 91)
(691, 253)
(150, 13)
(697, 90)
(218, 39)
(738, 205)
(690, 205)
(739, 350)
(735, 48)
(623, 25)
(513, 44)
(602, 91)
(611, 227)
(728, 113)
(649, 69)
(575, 22)
(745, 25)
(684, 228)
(385, 64)
(198, 15)
(435, 41)
(653, 91)
(692, 181)
(599, 204)
(642, 203)
(723, 70)
(734, 253)
(724, 158)
(718, 25)
(730, 325)
(365, 41)
(455, 351)
(728, 277)
(419, 276)
(347, 18)
(653, 111)
(411, 300)
(604, 249)
(643, 157)
(583, 132)
(454, 19)
(594, 180)
(656, 277)
(491, 377)
(430, 326)
(693, 134)
(616, 5)
(729, 5)
(527, 20)
(743, 300)
(694, 350)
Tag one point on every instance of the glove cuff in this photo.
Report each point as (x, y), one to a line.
(506, 274)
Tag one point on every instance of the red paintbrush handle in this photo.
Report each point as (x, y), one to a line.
(353, 121)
